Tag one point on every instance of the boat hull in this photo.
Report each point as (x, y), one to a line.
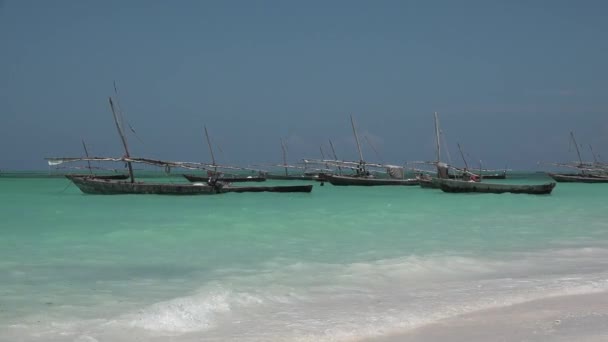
(112, 187)
(115, 177)
(279, 188)
(364, 181)
(456, 186)
(290, 177)
(195, 178)
(577, 178)
(428, 183)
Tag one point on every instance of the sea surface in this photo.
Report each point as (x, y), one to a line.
(338, 264)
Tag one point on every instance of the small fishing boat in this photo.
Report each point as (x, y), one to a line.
(368, 181)
(98, 176)
(587, 172)
(227, 179)
(289, 177)
(450, 185)
(277, 188)
(578, 178)
(91, 185)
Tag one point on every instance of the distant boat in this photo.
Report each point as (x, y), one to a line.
(223, 178)
(362, 176)
(368, 181)
(578, 178)
(588, 172)
(306, 176)
(220, 176)
(289, 177)
(97, 176)
(475, 183)
(90, 185)
(450, 185)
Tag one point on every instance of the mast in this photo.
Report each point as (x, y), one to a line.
(124, 140)
(210, 149)
(87, 154)
(576, 145)
(593, 154)
(335, 156)
(437, 138)
(352, 122)
(373, 148)
(462, 155)
(284, 156)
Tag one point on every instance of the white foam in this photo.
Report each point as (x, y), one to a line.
(188, 314)
(340, 302)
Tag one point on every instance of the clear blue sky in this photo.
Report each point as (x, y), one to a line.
(509, 79)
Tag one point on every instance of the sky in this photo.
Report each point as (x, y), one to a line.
(509, 79)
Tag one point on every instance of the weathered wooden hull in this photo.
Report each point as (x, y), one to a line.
(195, 178)
(577, 178)
(429, 183)
(484, 176)
(289, 177)
(115, 177)
(278, 188)
(494, 176)
(448, 185)
(113, 187)
(364, 181)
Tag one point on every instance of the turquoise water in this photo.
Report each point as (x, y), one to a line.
(336, 264)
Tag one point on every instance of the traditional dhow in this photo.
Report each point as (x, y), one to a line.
(97, 176)
(227, 179)
(91, 185)
(368, 181)
(450, 185)
(578, 178)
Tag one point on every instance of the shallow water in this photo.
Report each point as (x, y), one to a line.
(340, 263)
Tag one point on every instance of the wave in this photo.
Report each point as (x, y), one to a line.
(298, 301)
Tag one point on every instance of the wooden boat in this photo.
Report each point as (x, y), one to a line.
(84, 175)
(229, 179)
(289, 177)
(502, 175)
(220, 176)
(368, 181)
(578, 178)
(428, 182)
(587, 172)
(278, 188)
(91, 185)
(450, 185)
(362, 176)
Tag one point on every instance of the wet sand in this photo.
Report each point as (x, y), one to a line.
(582, 318)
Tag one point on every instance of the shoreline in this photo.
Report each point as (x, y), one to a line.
(581, 317)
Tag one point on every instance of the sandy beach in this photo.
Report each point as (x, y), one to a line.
(565, 318)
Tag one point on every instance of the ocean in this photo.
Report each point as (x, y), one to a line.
(338, 264)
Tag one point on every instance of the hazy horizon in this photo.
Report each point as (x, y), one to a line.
(509, 80)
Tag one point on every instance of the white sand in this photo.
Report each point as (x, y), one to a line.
(580, 318)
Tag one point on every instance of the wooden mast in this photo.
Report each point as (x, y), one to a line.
(352, 122)
(210, 150)
(593, 154)
(124, 140)
(576, 145)
(284, 156)
(437, 138)
(87, 154)
(335, 156)
(462, 155)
